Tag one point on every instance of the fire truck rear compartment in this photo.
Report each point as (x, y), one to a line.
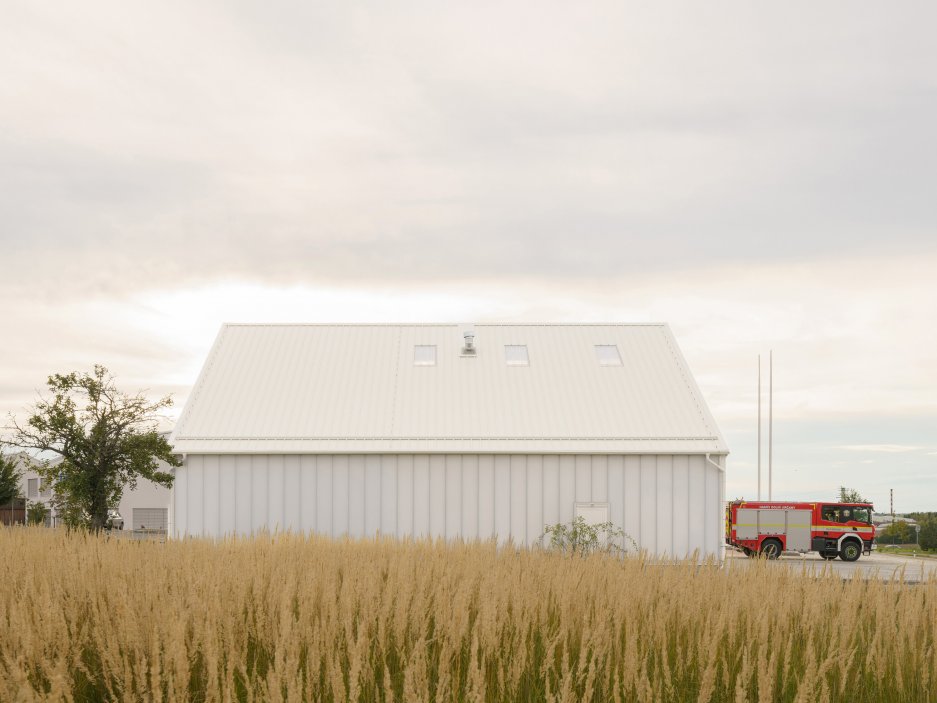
(794, 525)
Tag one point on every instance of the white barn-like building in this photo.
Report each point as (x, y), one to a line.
(405, 430)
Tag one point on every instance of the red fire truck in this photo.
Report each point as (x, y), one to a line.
(841, 530)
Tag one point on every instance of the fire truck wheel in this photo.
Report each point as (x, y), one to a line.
(771, 549)
(851, 551)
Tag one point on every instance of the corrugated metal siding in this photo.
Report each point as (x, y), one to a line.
(298, 388)
(668, 504)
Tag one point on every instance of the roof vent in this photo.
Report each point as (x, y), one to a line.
(468, 334)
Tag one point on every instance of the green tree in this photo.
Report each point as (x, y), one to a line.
(849, 495)
(70, 515)
(106, 440)
(36, 513)
(928, 534)
(899, 532)
(10, 477)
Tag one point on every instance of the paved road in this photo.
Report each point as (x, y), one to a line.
(884, 566)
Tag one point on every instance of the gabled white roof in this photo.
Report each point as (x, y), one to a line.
(355, 388)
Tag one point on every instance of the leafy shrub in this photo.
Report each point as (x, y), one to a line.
(579, 538)
(898, 532)
(71, 514)
(36, 513)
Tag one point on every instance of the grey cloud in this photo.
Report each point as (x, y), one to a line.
(57, 194)
(806, 450)
(418, 144)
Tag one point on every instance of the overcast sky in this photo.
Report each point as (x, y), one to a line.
(759, 175)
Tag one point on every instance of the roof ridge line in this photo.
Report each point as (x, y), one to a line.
(446, 439)
(444, 324)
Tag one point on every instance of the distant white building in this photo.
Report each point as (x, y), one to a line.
(419, 430)
(885, 519)
(146, 506)
(35, 490)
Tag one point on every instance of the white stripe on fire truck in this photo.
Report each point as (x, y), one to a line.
(816, 528)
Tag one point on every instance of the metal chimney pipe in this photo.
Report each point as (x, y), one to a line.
(468, 335)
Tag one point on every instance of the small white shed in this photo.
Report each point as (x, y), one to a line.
(419, 430)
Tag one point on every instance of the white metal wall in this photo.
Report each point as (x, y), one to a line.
(147, 496)
(670, 504)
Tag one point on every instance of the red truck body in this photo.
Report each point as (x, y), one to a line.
(841, 530)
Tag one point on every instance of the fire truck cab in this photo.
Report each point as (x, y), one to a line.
(841, 530)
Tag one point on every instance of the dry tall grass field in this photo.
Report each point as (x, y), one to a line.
(288, 618)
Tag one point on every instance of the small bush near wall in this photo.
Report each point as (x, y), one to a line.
(37, 513)
(578, 538)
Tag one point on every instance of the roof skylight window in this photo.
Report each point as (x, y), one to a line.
(424, 355)
(516, 355)
(607, 354)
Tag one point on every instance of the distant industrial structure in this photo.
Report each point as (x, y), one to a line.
(885, 519)
(449, 431)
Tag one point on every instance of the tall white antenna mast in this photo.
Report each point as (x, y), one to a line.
(770, 415)
(759, 427)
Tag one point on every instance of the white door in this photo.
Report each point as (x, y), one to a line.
(150, 519)
(592, 513)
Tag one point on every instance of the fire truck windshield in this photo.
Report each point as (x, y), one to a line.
(846, 513)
